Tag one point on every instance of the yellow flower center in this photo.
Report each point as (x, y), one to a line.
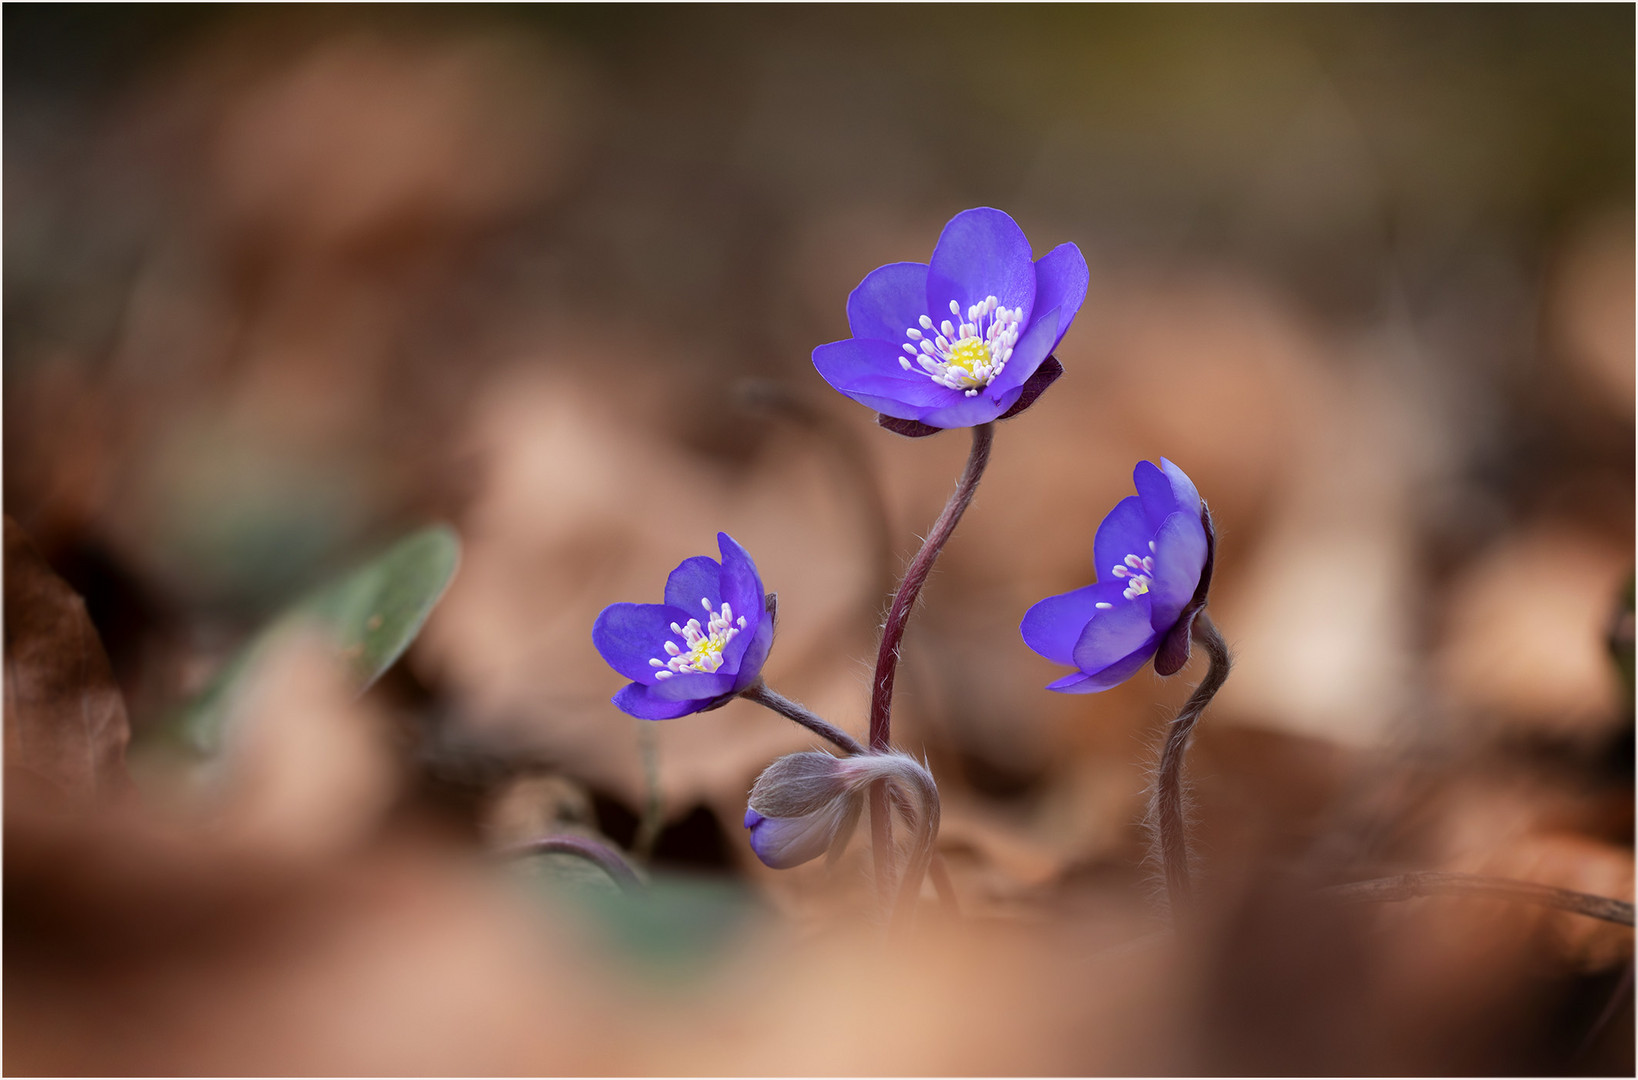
(705, 643)
(968, 354)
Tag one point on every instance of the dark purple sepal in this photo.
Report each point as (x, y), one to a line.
(1035, 386)
(910, 429)
(717, 702)
(1174, 647)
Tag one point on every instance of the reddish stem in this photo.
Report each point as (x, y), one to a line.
(887, 656)
(1169, 821)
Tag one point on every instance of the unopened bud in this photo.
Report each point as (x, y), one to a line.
(807, 804)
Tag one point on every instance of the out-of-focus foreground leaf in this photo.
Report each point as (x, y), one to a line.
(370, 616)
(65, 719)
(672, 924)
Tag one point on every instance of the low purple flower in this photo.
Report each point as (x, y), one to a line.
(694, 652)
(1154, 560)
(964, 339)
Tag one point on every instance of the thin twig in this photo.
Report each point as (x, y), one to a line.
(1169, 821)
(760, 693)
(1433, 882)
(610, 861)
(652, 822)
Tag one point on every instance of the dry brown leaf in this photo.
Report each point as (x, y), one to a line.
(1522, 657)
(65, 718)
(142, 950)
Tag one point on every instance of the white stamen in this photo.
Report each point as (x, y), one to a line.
(967, 355)
(1137, 572)
(704, 644)
(1100, 605)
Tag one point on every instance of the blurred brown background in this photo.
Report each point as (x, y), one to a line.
(283, 283)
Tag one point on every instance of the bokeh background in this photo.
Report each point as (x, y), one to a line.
(282, 284)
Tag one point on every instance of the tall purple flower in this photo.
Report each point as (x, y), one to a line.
(694, 652)
(1154, 560)
(963, 340)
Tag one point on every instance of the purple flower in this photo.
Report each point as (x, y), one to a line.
(963, 340)
(694, 652)
(1154, 558)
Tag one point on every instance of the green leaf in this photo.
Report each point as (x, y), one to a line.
(370, 615)
(676, 927)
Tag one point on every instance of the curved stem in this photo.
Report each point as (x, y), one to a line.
(784, 706)
(887, 654)
(1167, 817)
(1430, 882)
(610, 861)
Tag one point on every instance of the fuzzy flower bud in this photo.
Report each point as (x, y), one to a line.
(805, 805)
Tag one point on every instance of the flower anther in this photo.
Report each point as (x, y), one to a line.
(969, 355)
(705, 644)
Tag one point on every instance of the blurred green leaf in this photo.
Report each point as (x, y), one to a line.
(672, 926)
(568, 875)
(370, 615)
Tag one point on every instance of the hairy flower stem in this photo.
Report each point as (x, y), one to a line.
(1429, 883)
(887, 656)
(784, 706)
(1167, 818)
(610, 861)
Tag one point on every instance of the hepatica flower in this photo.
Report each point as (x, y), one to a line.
(703, 645)
(1154, 559)
(964, 339)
